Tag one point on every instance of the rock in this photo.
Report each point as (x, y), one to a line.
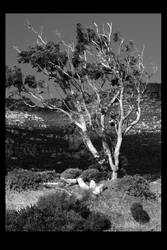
(155, 187)
(71, 173)
(52, 184)
(69, 180)
(82, 184)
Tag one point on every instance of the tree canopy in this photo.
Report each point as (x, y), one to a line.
(102, 76)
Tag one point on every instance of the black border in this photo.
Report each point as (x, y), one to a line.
(13, 9)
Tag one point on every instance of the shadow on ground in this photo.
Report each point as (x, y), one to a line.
(143, 151)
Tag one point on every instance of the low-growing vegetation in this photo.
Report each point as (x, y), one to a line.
(56, 212)
(20, 179)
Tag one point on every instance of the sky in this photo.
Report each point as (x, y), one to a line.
(144, 29)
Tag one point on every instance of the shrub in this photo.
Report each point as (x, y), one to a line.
(20, 179)
(71, 173)
(106, 171)
(97, 222)
(91, 174)
(135, 186)
(56, 212)
(139, 214)
(12, 222)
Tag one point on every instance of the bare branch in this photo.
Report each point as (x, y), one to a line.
(155, 68)
(110, 31)
(121, 103)
(95, 89)
(17, 49)
(108, 153)
(31, 106)
(70, 46)
(87, 113)
(128, 113)
(102, 122)
(119, 49)
(112, 100)
(33, 95)
(138, 115)
(97, 30)
(104, 33)
(41, 41)
(65, 112)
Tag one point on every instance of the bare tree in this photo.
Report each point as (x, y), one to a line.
(102, 78)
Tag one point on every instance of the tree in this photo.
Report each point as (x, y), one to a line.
(14, 77)
(17, 85)
(102, 77)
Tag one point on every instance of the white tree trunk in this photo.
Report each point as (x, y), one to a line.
(114, 165)
(110, 160)
(116, 154)
(82, 125)
(114, 175)
(91, 147)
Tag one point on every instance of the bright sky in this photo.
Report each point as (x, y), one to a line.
(142, 28)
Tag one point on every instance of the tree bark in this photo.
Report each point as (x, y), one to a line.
(86, 139)
(113, 167)
(90, 145)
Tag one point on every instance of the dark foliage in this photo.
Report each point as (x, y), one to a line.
(135, 186)
(19, 179)
(14, 77)
(104, 169)
(50, 57)
(139, 214)
(91, 174)
(30, 81)
(101, 223)
(71, 173)
(56, 212)
(123, 163)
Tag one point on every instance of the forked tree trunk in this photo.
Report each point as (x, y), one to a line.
(107, 152)
(90, 145)
(87, 141)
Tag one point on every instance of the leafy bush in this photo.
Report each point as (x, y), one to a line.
(20, 179)
(135, 186)
(71, 173)
(91, 174)
(97, 222)
(106, 171)
(56, 212)
(139, 214)
(12, 222)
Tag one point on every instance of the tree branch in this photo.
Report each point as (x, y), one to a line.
(128, 113)
(110, 30)
(39, 35)
(138, 115)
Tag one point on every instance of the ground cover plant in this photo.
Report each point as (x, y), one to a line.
(56, 212)
(20, 179)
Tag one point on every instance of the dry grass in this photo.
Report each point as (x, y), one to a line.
(117, 207)
(17, 200)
